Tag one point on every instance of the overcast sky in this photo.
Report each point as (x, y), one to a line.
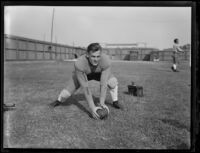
(156, 26)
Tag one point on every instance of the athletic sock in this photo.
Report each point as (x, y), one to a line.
(114, 93)
(174, 66)
(64, 94)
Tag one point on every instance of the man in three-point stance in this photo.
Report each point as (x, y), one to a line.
(94, 65)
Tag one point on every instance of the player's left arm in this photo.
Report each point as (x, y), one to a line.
(179, 49)
(103, 85)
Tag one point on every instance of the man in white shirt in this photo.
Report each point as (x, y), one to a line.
(175, 56)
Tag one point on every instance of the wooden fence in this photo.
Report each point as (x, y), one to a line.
(143, 54)
(19, 48)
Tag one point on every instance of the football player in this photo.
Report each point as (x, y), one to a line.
(94, 65)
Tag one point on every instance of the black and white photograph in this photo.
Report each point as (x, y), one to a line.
(97, 77)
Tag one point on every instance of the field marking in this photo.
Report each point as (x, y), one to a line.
(7, 129)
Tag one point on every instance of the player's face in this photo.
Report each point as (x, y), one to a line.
(94, 57)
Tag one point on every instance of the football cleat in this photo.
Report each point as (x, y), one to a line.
(173, 69)
(117, 105)
(55, 103)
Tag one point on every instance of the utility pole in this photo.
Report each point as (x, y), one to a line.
(56, 48)
(73, 49)
(52, 33)
(52, 25)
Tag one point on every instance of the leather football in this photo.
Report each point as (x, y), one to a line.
(103, 113)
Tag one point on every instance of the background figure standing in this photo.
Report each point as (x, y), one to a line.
(175, 56)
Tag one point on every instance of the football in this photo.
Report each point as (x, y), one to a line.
(103, 113)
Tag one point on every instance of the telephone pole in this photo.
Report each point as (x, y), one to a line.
(52, 33)
(52, 25)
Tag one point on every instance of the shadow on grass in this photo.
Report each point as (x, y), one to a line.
(126, 93)
(164, 70)
(75, 100)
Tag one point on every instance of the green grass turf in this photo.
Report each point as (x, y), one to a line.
(159, 120)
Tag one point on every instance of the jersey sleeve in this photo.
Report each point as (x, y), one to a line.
(105, 62)
(79, 65)
(104, 76)
(82, 78)
(177, 48)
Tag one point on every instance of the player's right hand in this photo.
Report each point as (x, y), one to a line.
(106, 107)
(94, 112)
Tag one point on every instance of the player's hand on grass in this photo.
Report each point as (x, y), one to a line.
(94, 112)
(106, 107)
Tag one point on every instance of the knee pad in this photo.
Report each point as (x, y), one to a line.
(112, 83)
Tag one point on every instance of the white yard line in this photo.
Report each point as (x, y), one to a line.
(7, 129)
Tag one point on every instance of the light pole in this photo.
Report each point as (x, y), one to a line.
(52, 33)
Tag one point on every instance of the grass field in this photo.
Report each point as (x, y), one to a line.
(159, 120)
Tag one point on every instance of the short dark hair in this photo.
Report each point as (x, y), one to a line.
(93, 47)
(176, 40)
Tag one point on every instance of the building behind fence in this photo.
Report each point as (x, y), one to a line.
(21, 49)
